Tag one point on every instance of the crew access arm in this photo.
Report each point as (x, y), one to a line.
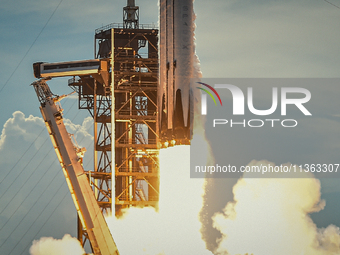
(69, 157)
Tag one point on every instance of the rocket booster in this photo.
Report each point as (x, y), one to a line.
(177, 51)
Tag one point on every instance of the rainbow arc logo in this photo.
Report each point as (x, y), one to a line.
(209, 93)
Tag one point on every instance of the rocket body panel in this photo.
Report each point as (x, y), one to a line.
(176, 69)
(184, 51)
(170, 59)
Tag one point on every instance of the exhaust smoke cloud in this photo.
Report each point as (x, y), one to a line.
(272, 216)
(175, 228)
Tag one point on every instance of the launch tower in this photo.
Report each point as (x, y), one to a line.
(136, 111)
(123, 103)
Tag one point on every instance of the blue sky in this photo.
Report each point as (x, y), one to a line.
(233, 39)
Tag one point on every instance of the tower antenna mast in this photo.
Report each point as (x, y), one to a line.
(131, 15)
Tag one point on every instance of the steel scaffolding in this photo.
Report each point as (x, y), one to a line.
(130, 90)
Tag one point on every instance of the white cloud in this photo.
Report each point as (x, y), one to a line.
(33, 186)
(18, 131)
(49, 246)
(81, 132)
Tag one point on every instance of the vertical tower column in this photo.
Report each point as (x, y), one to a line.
(113, 130)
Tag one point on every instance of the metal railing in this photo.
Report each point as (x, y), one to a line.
(140, 113)
(135, 141)
(123, 197)
(121, 26)
(73, 80)
(136, 169)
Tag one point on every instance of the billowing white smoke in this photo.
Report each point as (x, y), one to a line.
(175, 229)
(49, 246)
(271, 216)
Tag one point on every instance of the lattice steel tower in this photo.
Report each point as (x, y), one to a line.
(123, 103)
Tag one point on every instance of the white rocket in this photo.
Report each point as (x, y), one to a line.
(177, 51)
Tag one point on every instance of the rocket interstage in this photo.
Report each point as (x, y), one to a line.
(176, 49)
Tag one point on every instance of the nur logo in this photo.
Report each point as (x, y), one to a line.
(204, 97)
(239, 99)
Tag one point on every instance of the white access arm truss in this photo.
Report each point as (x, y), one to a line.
(69, 157)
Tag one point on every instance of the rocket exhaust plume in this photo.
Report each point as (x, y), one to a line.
(271, 216)
(175, 228)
